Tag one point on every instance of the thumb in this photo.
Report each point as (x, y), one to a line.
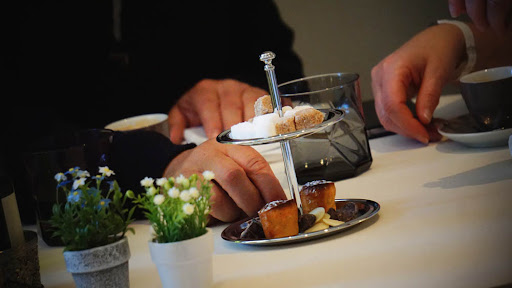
(177, 124)
(429, 93)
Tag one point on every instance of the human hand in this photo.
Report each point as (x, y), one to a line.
(244, 181)
(486, 14)
(422, 65)
(215, 104)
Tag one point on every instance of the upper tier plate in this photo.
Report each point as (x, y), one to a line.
(331, 116)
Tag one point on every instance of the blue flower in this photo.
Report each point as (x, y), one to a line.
(93, 191)
(98, 177)
(72, 170)
(74, 196)
(111, 185)
(103, 203)
(63, 183)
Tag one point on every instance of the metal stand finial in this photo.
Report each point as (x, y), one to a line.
(267, 57)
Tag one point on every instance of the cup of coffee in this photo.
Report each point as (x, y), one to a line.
(488, 97)
(156, 122)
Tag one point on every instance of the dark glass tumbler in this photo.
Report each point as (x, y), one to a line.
(340, 151)
(87, 149)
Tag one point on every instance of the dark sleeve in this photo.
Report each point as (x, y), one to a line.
(135, 155)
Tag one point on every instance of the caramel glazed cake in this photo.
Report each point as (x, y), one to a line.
(281, 218)
(267, 122)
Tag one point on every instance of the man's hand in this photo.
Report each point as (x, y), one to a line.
(244, 181)
(215, 104)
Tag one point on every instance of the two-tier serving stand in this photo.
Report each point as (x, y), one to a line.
(332, 116)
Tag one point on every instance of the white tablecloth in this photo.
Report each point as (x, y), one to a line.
(445, 221)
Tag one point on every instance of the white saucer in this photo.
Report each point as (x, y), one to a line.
(462, 129)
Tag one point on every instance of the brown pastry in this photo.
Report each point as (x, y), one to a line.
(307, 118)
(280, 218)
(318, 193)
(263, 105)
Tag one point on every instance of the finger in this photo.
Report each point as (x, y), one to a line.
(477, 11)
(259, 172)
(223, 207)
(456, 7)
(249, 97)
(177, 125)
(231, 105)
(497, 13)
(392, 111)
(233, 179)
(429, 93)
(208, 110)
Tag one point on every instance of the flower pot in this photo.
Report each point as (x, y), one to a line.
(19, 266)
(185, 263)
(104, 266)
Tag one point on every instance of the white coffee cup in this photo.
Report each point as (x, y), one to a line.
(152, 122)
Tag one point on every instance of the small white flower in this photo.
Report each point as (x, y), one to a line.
(161, 181)
(194, 193)
(83, 174)
(208, 175)
(60, 177)
(180, 179)
(188, 208)
(78, 182)
(159, 199)
(185, 195)
(152, 190)
(106, 171)
(147, 182)
(174, 192)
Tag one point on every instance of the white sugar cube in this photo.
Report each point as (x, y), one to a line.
(243, 130)
(291, 112)
(284, 109)
(265, 125)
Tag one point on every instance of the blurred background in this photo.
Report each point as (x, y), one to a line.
(353, 36)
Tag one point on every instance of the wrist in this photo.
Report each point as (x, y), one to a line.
(469, 55)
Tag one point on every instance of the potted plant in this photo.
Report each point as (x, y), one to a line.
(181, 246)
(92, 225)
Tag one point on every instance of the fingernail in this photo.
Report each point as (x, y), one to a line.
(427, 115)
(423, 140)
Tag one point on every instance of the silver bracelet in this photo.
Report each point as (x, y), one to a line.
(470, 45)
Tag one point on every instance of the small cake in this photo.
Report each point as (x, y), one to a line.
(285, 125)
(263, 105)
(318, 193)
(280, 218)
(307, 118)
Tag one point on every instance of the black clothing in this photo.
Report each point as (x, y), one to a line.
(71, 70)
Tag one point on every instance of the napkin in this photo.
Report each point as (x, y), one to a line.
(271, 152)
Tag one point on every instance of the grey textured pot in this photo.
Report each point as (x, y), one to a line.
(105, 266)
(19, 266)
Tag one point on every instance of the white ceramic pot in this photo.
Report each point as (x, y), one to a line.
(185, 263)
(104, 266)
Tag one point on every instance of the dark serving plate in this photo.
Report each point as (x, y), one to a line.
(367, 209)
